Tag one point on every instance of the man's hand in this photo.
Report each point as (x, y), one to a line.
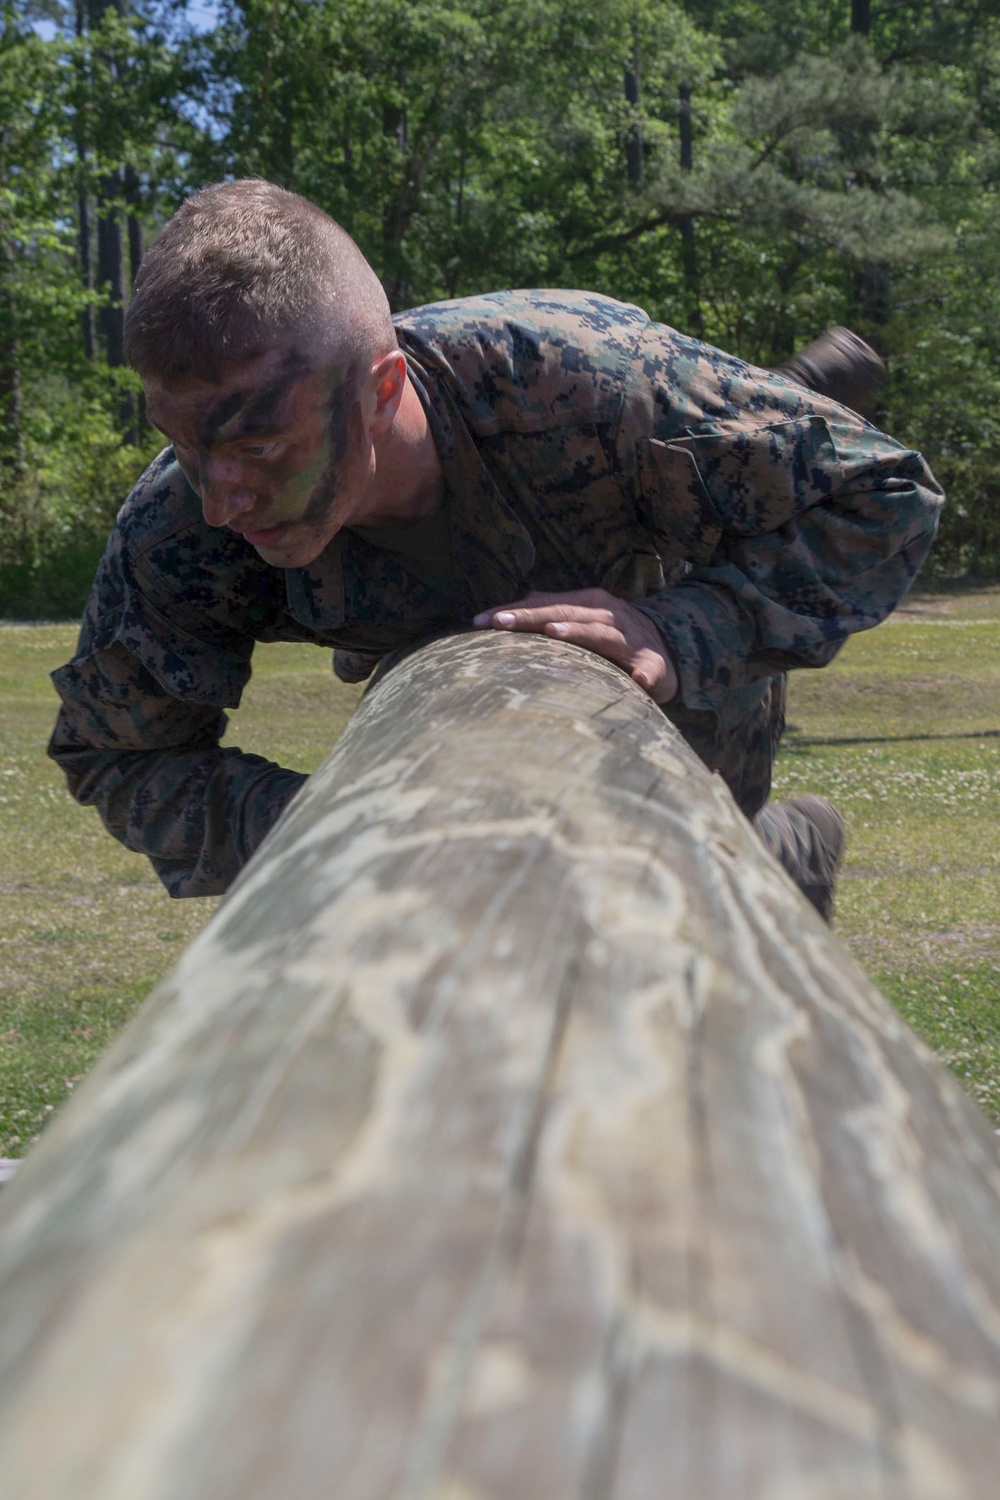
(596, 620)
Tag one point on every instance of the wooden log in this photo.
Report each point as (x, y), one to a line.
(513, 1132)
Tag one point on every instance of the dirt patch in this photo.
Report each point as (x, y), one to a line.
(956, 600)
(922, 706)
(902, 686)
(928, 606)
(970, 942)
(898, 949)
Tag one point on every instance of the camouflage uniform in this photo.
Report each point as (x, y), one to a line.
(582, 445)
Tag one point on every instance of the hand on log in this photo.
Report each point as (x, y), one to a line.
(597, 621)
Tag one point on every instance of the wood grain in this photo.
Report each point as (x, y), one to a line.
(513, 1132)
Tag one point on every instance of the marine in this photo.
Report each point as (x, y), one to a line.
(548, 461)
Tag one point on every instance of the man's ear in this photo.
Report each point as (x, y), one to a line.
(386, 382)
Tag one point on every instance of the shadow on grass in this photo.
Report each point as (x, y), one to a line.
(794, 740)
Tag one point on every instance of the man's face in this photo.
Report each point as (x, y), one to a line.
(276, 450)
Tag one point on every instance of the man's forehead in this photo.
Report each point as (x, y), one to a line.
(195, 389)
(250, 398)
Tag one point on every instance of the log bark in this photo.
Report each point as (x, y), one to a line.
(514, 1131)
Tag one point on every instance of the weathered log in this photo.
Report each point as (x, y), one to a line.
(513, 1132)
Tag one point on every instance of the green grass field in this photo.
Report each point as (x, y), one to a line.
(903, 732)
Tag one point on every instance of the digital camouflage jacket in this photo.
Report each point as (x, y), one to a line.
(583, 445)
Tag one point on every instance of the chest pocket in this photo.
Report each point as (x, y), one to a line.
(748, 482)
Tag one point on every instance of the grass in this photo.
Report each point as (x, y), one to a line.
(903, 732)
(68, 981)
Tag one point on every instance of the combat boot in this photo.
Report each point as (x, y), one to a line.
(806, 836)
(840, 365)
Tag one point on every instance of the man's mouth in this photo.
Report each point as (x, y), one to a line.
(267, 536)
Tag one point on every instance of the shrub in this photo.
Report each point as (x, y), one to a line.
(55, 517)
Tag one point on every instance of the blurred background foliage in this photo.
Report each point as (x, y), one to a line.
(748, 170)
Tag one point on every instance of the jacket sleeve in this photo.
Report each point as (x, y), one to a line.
(794, 531)
(138, 737)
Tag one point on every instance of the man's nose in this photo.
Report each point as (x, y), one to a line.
(226, 494)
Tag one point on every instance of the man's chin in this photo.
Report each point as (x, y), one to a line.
(286, 546)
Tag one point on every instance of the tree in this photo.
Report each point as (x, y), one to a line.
(752, 170)
(26, 76)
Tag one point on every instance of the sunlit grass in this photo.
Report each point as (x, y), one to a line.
(88, 929)
(902, 732)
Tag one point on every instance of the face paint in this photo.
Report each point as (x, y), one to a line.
(308, 491)
(250, 413)
(291, 497)
(222, 416)
(342, 435)
(305, 492)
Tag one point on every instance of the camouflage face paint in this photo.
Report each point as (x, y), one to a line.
(313, 420)
(252, 413)
(308, 491)
(343, 432)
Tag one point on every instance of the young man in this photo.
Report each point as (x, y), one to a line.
(542, 461)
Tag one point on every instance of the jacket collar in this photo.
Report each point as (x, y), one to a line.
(316, 594)
(492, 551)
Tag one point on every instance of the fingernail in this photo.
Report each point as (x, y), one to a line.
(483, 619)
(559, 629)
(504, 618)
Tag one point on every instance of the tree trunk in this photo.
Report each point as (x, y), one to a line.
(136, 249)
(633, 98)
(84, 231)
(111, 269)
(110, 230)
(397, 212)
(111, 282)
(515, 1129)
(11, 405)
(689, 246)
(136, 245)
(88, 319)
(873, 295)
(11, 411)
(872, 281)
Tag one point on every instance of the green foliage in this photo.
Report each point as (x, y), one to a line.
(58, 513)
(75, 112)
(475, 144)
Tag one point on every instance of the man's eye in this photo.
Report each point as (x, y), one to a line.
(261, 450)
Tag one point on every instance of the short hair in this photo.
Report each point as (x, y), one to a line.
(239, 263)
